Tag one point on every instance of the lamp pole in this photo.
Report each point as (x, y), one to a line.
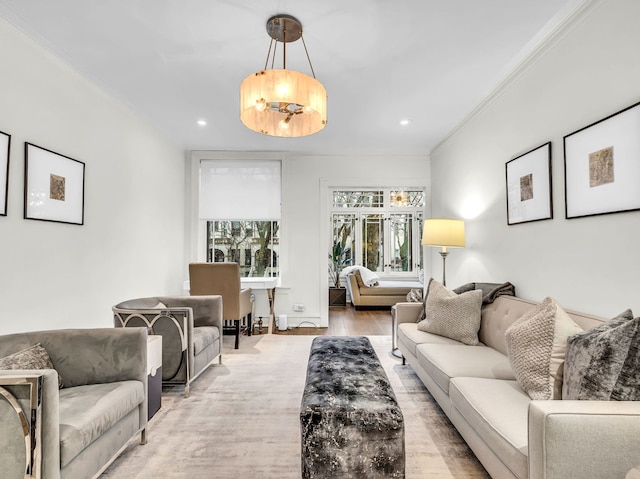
(444, 253)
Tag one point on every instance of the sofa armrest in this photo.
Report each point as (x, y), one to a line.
(586, 439)
(354, 290)
(25, 444)
(408, 312)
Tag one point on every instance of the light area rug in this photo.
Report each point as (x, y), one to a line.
(242, 420)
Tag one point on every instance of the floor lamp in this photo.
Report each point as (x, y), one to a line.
(444, 232)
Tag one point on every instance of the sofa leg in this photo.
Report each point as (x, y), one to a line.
(143, 436)
(404, 361)
(186, 390)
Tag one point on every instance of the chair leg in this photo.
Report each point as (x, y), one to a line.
(143, 436)
(237, 334)
(249, 326)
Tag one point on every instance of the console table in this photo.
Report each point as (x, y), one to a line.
(268, 284)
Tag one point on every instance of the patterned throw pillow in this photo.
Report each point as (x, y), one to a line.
(35, 357)
(536, 345)
(603, 362)
(415, 295)
(455, 316)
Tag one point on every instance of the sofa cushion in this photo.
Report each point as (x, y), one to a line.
(411, 336)
(451, 315)
(203, 337)
(497, 411)
(446, 361)
(34, 357)
(603, 363)
(537, 344)
(87, 412)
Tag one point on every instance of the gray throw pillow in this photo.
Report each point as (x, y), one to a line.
(602, 363)
(455, 316)
(425, 295)
(35, 357)
(536, 346)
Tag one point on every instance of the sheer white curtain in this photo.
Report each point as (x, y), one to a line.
(240, 189)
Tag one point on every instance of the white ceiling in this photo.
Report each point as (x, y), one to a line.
(177, 61)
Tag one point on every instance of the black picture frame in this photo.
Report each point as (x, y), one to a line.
(529, 186)
(602, 166)
(53, 186)
(5, 151)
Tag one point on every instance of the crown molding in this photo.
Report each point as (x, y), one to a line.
(539, 46)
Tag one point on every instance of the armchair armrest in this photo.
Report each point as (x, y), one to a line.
(206, 310)
(29, 421)
(586, 439)
(408, 312)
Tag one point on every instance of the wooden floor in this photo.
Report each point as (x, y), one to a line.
(346, 321)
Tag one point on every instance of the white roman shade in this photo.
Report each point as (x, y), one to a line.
(240, 190)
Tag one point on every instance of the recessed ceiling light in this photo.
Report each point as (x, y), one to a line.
(202, 122)
(405, 122)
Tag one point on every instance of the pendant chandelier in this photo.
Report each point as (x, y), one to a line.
(281, 102)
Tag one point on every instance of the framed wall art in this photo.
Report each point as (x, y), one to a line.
(602, 166)
(53, 186)
(529, 196)
(5, 149)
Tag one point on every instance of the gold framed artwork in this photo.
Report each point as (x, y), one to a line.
(602, 166)
(5, 149)
(53, 186)
(529, 195)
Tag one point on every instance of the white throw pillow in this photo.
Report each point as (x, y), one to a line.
(455, 316)
(369, 278)
(537, 345)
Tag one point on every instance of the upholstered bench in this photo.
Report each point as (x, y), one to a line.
(350, 421)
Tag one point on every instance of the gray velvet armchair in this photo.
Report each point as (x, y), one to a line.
(77, 431)
(191, 330)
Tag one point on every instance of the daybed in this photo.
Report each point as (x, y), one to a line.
(512, 435)
(77, 431)
(191, 330)
(384, 293)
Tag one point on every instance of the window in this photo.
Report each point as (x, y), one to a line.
(240, 201)
(382, 227)
(258, 241)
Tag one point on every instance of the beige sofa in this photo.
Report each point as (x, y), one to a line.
(77, 431)
(383, 294)
(512, 435)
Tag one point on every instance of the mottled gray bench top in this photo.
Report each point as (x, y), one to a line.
(344, 372)
(351, 424)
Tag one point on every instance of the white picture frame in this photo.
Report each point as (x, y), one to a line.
(54, 186)
(529, 195)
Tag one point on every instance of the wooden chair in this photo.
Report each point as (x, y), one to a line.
(224, 279)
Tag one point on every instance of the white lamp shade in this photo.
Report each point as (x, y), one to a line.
(287, 87)
(443, 232)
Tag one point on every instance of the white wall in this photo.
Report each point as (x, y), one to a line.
(587, 71)
(304, 232)
(56, 275)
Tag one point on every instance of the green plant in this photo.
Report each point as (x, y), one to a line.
(340, 255)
